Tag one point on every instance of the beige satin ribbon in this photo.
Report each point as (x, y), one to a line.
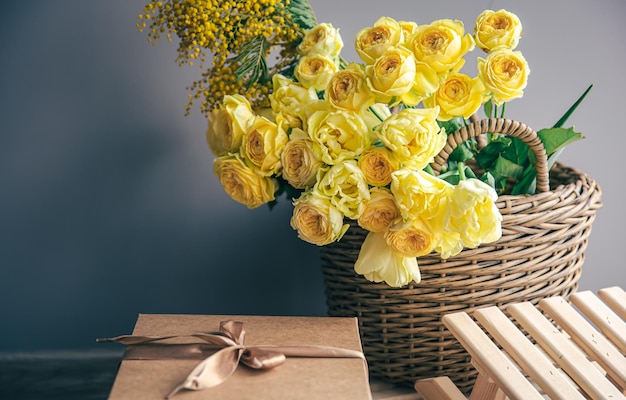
(221, 353)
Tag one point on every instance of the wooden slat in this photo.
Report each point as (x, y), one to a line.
(596, 345)
(615, 297)
(485, 388)
(534, 362)
(569, 357)
(495, 364)
(439, 388)
(609, 323)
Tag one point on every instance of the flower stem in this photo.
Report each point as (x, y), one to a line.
(381, 119)
(461, 168)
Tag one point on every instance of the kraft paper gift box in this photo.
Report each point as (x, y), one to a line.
(297, 378)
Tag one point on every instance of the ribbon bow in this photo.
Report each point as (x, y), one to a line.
(231, 350)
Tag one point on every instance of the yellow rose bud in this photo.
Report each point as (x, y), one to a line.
(342, 135)
(505, 74)
(316, 220)
(497, 28)
(372, 42)
(408, 28)
(442, 45)
(291, 99)
(373, 117)
(411, 239)
(458, 96)
(473, 213)
(241, 183)
(380, 211)
(377, 164)
(301, 159)
(348, 91)
(392, 75)
(227, 124)
(263, 144)
(419, 194)
(323, 39)
(378, 262)
(315, 71)
(413, 136)
(345, 185)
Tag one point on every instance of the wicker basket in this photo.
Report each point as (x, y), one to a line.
(540, 254)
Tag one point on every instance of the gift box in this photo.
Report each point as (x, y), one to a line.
(311, 377)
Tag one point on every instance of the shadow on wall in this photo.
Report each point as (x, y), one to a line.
(109, 205)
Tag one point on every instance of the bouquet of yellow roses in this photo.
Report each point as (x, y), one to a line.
(354, 140)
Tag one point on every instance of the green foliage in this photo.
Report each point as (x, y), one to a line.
(506, 163)
(302, 13)
(252, 64)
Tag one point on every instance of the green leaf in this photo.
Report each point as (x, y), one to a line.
(488, 179)
(302, 13)
(488, 109)
(461, 153)
(571, 110)
(490, 153)
(469, 173)
(556, 138)
(252, 62)
(528, 183)
(516, 152)
(507, 168)
(451, 125)
(452, 177)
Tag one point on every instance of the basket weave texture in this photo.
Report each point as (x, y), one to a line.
(540, 254)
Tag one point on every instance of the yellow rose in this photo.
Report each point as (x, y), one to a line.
(458, 96)
(348, 91)
(342, 135)
(411, 239)
(301, 159)
(473, 213)
(316, 220)
(497, 28)
(505, 74)
(413, 136)
(227, 124)
(345, 185)
(315, 71)
(377, 165)
(426, 82)
(290, 99)
(392, 75)
(263, 144)
(241, 183)
(380, 211)
(449, 244)
(378, 262)
(323, 39)
(372, 42)
(442, 45)
(419, 194)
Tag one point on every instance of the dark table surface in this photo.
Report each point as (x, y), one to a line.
(56, 375)
(89, 375)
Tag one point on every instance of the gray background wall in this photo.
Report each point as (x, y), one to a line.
(108, 203)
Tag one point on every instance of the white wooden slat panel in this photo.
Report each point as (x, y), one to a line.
(569, 357)
(534, 362)
(595, 345)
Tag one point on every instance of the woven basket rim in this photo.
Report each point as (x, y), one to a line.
(505, 126)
